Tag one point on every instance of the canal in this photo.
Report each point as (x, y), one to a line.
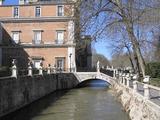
(94, 102)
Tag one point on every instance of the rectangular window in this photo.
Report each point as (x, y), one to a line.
(60, 11)
(37, 37)
(37, 63)
(60, 63)
(15, 37)
(38, 11)
(16, 12)
(60, 37)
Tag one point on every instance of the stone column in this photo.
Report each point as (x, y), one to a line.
(135, 86)
(146, 91)
(30, 70)
(14, 69)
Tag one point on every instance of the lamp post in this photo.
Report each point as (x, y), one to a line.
(70, 55)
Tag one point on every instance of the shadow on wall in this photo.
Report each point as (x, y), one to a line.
(93, 83)
(11, 50)
(27, 90)
(36, 107)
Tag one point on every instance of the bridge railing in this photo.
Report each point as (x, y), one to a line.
(107, 72)
(86, 69)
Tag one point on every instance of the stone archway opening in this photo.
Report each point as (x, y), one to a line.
(94, 83)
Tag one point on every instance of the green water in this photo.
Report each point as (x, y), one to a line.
(89, 103)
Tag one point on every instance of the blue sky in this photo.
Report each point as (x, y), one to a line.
(100, 45)
(11, 2)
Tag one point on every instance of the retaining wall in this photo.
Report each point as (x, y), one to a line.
(137, 106)
(16, 93)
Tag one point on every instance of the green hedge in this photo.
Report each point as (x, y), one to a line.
(153, 69)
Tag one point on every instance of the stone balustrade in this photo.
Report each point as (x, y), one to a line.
(30, 70)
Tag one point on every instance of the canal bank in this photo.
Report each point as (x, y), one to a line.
(16, 93)
(136, 105)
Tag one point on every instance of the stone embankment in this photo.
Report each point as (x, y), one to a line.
(18, 92)
(137, 106)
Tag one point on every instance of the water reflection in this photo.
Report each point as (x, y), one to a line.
(88, 103)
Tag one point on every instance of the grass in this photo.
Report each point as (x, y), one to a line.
(155, 82)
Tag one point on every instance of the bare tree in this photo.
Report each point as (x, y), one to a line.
(128, 14)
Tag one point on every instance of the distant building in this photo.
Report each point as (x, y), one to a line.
(41, 32)
(84, 53)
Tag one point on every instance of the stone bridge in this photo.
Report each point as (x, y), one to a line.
(84, 76)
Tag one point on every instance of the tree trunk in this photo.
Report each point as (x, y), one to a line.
(136, 47)
(137, 68)
(130, 58)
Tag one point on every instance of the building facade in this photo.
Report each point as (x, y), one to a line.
(40, 32)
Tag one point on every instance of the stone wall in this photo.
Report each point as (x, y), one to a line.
(138, 107)
(16, 93)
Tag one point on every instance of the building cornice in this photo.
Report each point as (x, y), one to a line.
(38, 19)
(41, 3)
(39, 46)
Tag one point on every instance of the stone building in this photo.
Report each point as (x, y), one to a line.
(39, 31)
(84, 53)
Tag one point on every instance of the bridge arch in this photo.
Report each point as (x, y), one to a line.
(84, 76)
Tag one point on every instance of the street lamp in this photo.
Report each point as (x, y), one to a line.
(70, 60)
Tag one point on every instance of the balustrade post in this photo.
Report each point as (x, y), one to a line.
(120, 77)
(49, 69)
(114, 73)
(14, 69)
(135, 86)
(117, 73)
(146, 79)
(146, 91)
(54, 69)
(40, 70)
(30, 73)
(107, 68)
(128, 79)
(123, 77)
(98, 67)
(135, 77)
(128, 82)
